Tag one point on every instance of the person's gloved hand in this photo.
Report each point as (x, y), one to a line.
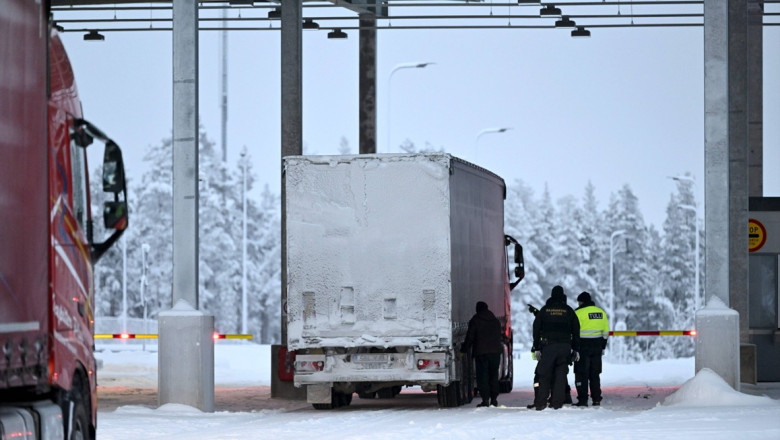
(538, 355)
(575, 356)
(532, 309)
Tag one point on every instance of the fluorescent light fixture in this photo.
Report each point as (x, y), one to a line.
(310, 25)
(580, 32)
(94, 35)
(337, 34)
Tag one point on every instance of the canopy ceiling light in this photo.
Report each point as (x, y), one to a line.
(310, 25)
(94, 35)
(565, 22)
(550, 11)
(275, 14)
(580, 32)
(337, 34)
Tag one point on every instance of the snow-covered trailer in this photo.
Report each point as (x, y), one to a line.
(387, 256)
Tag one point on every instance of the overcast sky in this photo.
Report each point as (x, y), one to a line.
(624, 106)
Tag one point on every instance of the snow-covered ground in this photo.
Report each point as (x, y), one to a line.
(654, 400)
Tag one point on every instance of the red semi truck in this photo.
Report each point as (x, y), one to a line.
(47, 250)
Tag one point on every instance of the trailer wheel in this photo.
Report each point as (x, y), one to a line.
(449, 396)
(467, 380)
(337, 400)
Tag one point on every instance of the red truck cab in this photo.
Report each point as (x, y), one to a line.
(47, 248)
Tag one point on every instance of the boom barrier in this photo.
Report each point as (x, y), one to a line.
(154, 336)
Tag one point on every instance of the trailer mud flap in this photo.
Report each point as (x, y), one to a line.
(286, 364)
(319, 393)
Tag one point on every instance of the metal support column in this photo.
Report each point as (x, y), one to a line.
(186, 355)
(185, 151)
(367, 87)
(755, 54)
(292, 145)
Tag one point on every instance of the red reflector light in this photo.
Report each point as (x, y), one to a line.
(309, 366)
(427, 364)
(124, 336)
(693, 332)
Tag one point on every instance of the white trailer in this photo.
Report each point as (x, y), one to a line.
(387, 256)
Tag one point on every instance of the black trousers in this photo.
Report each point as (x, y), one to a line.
(586, 375)
(487, 375)
(552, 369)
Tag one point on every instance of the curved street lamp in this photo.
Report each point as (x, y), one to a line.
(486, 131)
(695, 210)
(612, 272)
(390, 92)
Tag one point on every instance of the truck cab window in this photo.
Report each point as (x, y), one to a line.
(79, 182)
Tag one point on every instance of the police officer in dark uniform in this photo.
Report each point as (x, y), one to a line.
(557, 339)
(484, 337)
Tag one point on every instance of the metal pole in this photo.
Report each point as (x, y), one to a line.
(390, 92)
(124, 284)
(612, 316)
(144, 250)
(696, 254)
(243, 251)
(695, 209)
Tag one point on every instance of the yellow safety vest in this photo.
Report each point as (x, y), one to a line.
(593, 322)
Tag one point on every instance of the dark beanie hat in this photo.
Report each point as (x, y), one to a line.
(557, 294)
(481, 306)
(584, 297)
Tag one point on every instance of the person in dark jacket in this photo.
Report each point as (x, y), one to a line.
(484, 338)
(567, 392)
(557, 340)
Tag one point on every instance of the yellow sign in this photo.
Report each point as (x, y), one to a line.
(756, 235)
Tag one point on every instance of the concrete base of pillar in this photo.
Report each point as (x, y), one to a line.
(185, 357)
(283, 389)
(717, 341)
(748, 367)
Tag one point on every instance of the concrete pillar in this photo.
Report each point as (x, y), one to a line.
(717, 341)
(292, 139)
(726, 183)
(738, 160)
(367, 80)
(755, 59)
(186, 351)
(185, 151)
(185, 359)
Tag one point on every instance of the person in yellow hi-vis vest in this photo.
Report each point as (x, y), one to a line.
(594, 332)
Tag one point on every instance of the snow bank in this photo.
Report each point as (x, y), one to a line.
(709, 389)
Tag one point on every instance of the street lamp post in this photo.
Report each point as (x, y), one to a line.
(483, 132)
(695, 210)
(612, 273)
(390, 92)
(612, 316)
(144, 251)
(243, 249)
(695, 254)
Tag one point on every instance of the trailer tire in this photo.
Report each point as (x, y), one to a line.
(449, 396)
(337, 400)
(467, 389)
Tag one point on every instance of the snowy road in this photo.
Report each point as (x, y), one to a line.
(658, 400)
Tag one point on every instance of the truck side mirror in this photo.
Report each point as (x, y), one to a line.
(113, 169)
(520, 268)
(115, 215)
